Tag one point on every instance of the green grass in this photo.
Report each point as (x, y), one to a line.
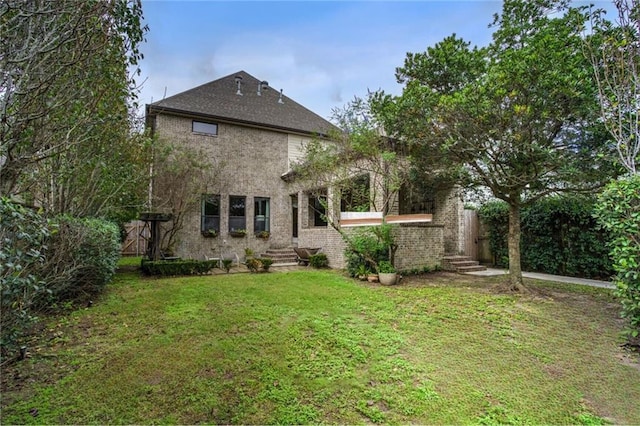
(313, 347)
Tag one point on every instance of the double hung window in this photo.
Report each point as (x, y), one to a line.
(237, 213)
(210, 216)
(261, 214)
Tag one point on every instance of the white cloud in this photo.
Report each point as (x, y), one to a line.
(321, 55)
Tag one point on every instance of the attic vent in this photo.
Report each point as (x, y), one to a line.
(239, 84)
(263, 85)
(280, 101)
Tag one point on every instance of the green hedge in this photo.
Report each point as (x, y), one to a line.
(82, 257)
(559, 236)
(618, 211)
(177, 267)
(23, 235)
(46, 263)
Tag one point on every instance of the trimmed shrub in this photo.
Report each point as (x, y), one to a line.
(266, 263)
(259, 264)
(253, 264)
(318, 260)
(618, 211)
(23, 235)
(227, 264)
(177, 267)
(559, 236)
(81, 258)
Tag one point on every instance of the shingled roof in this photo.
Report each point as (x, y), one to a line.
(218, 100)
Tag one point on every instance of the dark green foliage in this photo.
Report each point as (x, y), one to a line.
(559, 236)
(318, 260)
(23, 233)
(44, 264)
(385, 267)
(495, 214)
(266, 263)
(177, 267)
(226, 264)
(82, 257)
(419, 271)
(618, 211)
(367, 246)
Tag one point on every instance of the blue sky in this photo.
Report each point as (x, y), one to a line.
(321, 53)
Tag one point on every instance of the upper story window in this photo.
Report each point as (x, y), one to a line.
(203, 128)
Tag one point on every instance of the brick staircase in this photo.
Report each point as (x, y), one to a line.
(461, 264)
(281, 255)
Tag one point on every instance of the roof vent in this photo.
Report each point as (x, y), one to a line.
(280, 101)
(239, 83)
(263, 85)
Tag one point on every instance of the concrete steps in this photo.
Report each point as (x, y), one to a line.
(462, 264)
(283, 255)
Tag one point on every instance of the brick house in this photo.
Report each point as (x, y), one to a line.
(258, 133)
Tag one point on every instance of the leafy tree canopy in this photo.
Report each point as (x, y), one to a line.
(67, 93)
(517, 116)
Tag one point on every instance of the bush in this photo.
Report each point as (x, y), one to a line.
(559, 236)
(81, 258)
(318, 260)
(255, 264)
(226, 264)
(23, 233)
(47, 263)
(266, 263)
(177, 267)
(385, 267)
(618, 211)
(366, 247)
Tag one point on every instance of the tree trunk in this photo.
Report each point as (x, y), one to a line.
(515, 267)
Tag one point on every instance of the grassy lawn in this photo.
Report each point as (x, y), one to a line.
(314, 347)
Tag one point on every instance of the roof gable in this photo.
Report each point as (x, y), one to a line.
(218, 99)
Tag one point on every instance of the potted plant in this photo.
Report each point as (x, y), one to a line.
(209, 233)
(263, 234)
(387, 274)
(238, 233)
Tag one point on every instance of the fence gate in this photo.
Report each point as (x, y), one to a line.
(136, 242)
(471, 234)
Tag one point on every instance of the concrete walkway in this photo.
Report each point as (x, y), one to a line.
(547, 277)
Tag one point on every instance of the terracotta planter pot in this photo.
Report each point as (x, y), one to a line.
(372, 278)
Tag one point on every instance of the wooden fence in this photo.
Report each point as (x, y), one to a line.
(471, 234)
(136, 242)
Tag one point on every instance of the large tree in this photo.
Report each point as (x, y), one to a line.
(614, 50)
(67, 92)
(515, 117)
